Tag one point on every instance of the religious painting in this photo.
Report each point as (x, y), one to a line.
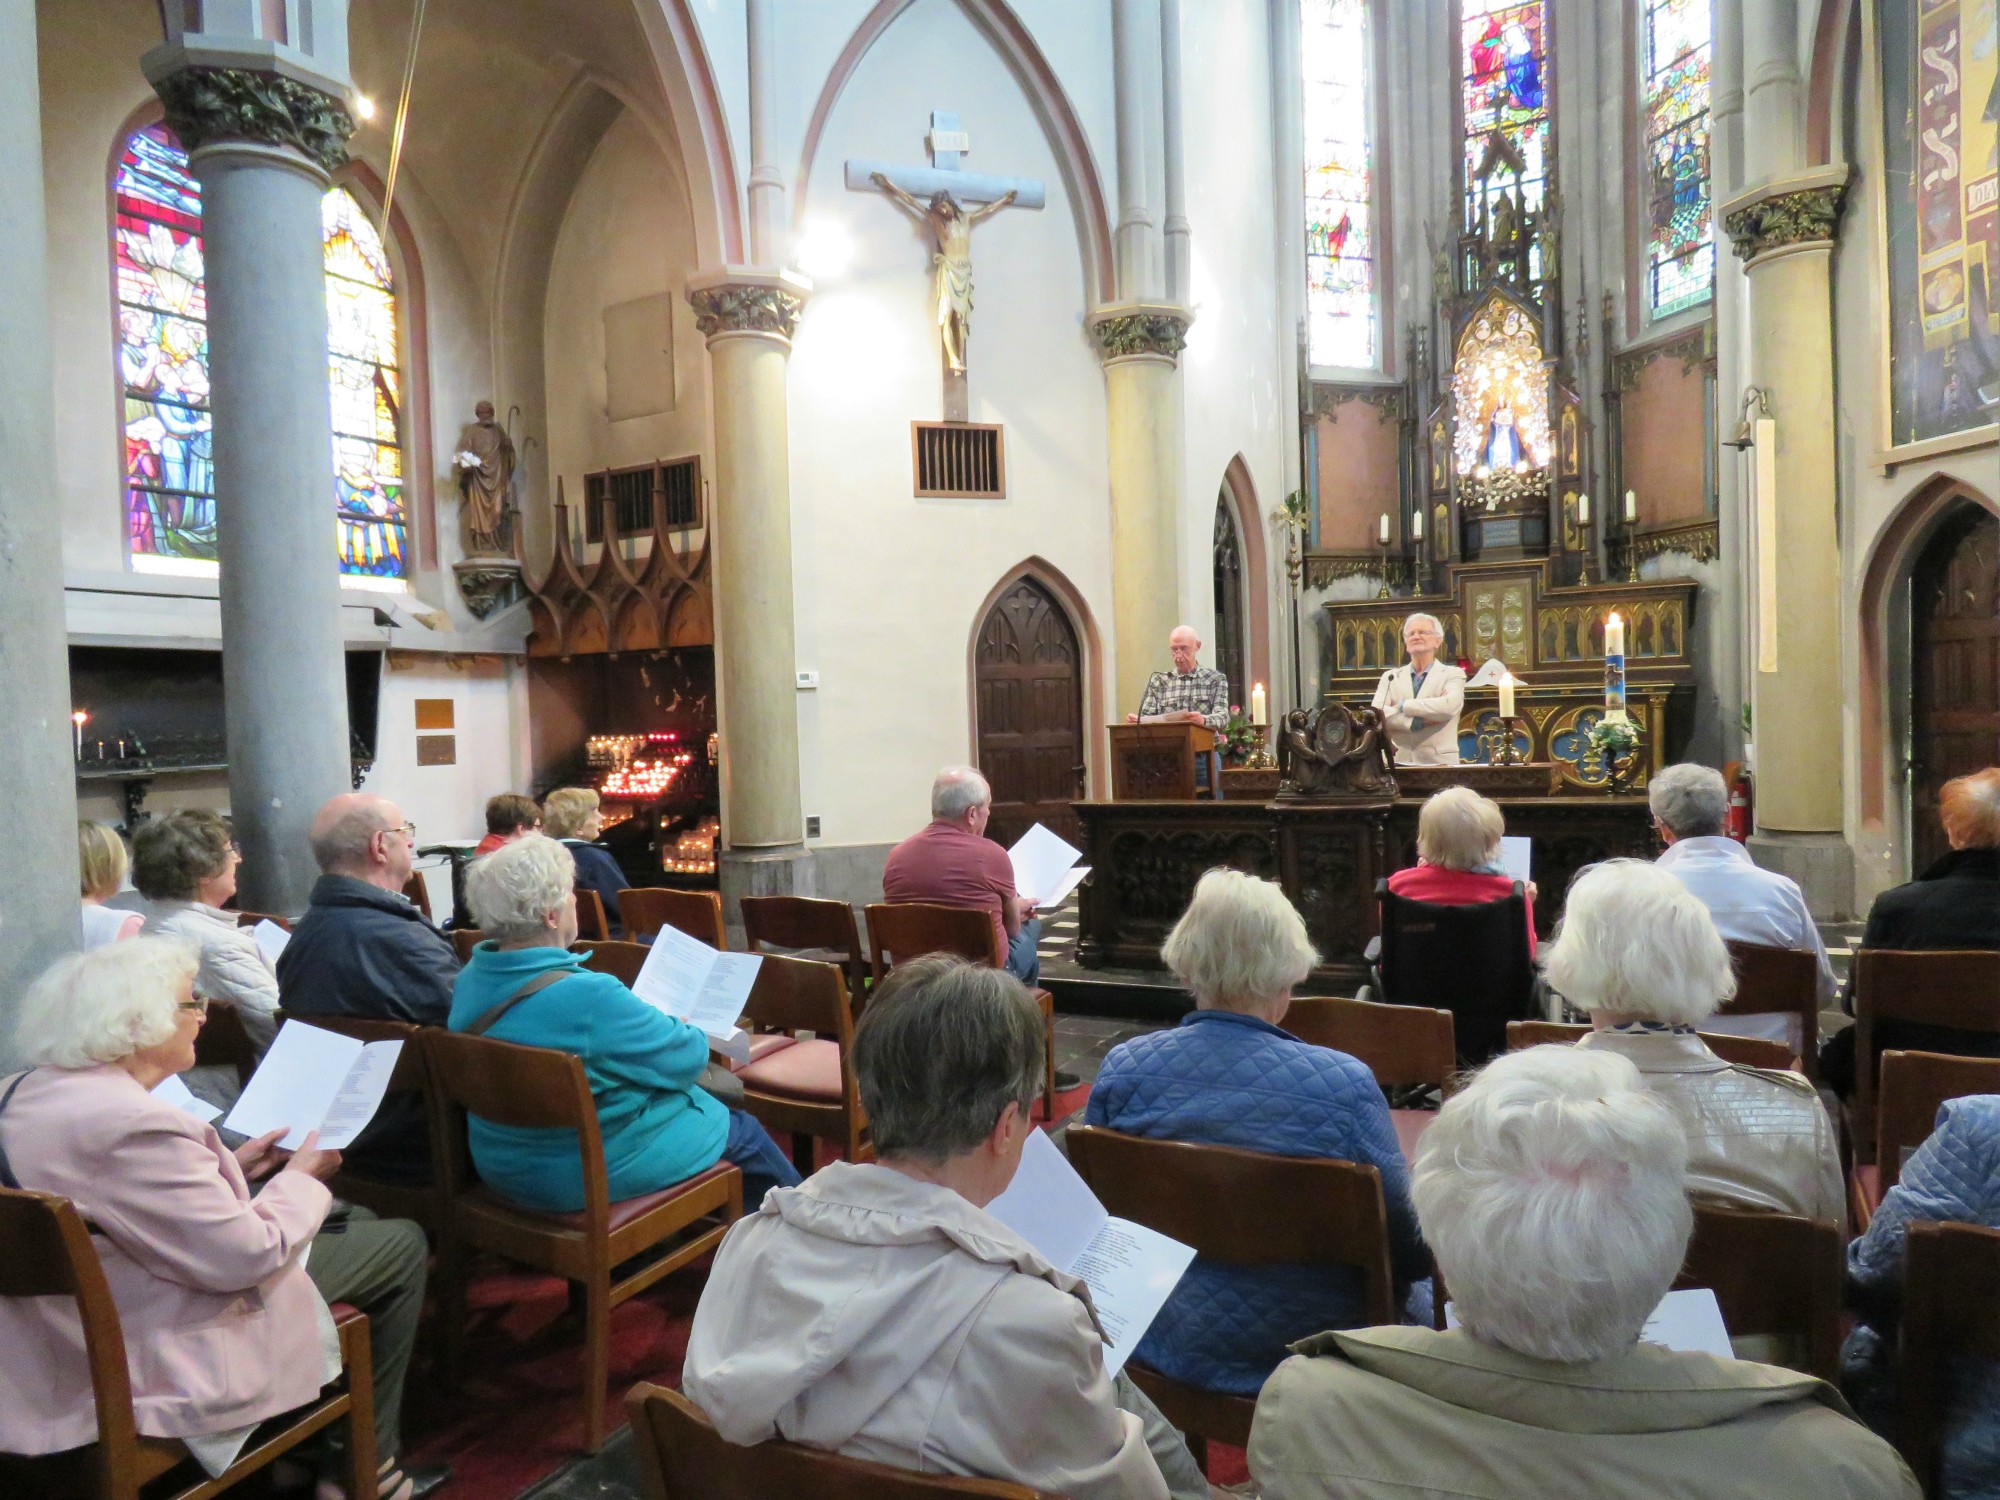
(1941, 106)
(1440, 456)
(1571, 454)
(1574, 537)
(1504, 92)
(1680, 219)
(1500, 390)
(1339, 196)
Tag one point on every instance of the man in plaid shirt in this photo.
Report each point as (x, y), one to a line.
(1191, 692)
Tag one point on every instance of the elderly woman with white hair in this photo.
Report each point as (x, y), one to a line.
(1228, 1076)
(1551, 1191)
(223, 1326)
(524, 985)
(1458, 855)
(1639, 952)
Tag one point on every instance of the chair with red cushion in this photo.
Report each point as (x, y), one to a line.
(537, 1088)
(45, 1251)
(646, 909)
(808, 1088)
(1955, 989)
(810, 927)
(1779, 981)
(1403, 1046)
(1911, 1087)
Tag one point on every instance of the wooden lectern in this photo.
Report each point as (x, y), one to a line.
(1156, 761)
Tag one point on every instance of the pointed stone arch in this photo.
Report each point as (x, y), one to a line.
(1096, 742)
(1239, 493)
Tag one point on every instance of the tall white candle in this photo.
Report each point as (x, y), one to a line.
(1416, 526)
(1507, 695)
(1614, 635)
(1257, 705)
(1382, 531)
(1631, 507)
(1583, 510)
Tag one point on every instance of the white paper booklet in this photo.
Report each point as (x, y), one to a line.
(1689, 1320)
(172, 1091)
(313, 1079)
(271, 940)
(1517, 854)
(703, 986)
(1046, 868)
(1130, 1269)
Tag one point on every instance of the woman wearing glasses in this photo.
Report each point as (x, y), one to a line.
(184, 864)
(223, 1327)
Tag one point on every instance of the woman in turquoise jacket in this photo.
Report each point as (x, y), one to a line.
(659, 1127)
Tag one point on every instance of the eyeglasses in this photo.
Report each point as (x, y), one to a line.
(409, 831)
(195, 1007)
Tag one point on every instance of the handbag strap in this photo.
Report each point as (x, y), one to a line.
(491, 1017)
(7, 1177)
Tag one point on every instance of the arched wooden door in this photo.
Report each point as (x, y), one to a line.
(1954, 667)
(1029, 681)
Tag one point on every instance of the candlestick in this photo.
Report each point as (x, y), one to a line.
(1257, 705)
(1614, 668)
(1583, 510)
(1507, 695)
(1382, 531)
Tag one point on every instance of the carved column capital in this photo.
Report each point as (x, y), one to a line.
(739, 300)
(207, 105)
(1134, 329)
(1787, 214)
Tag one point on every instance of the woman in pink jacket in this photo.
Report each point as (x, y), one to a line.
(223, 1327)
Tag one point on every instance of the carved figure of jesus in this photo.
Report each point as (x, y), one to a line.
(951, 260)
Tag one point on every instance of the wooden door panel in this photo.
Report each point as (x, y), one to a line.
(1029, 694)
(1955, 667)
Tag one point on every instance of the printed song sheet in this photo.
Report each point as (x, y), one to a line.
(270, 939)
(180, 1096)
(1517, 854)
(315, 1080)
(1130, 1269)
(698, 984)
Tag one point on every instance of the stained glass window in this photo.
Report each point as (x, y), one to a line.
(1504, 67)
(163, 356)
(367, 390)
(1340, 204)
(1680, 215)
(163, 364)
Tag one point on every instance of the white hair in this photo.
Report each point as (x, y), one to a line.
(1635, 942)
(1552, 1190)
(104, 1005)
(1459, 830)
(957, 790)
(512, 890)
(1239, 943)
(1690, 800)
(1420, 618)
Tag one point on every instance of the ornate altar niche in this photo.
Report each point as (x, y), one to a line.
(1551, 637)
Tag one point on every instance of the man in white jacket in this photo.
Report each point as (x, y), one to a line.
(878, 1311)
(1422, 699)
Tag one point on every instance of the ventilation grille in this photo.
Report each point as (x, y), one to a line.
(959, 459)
(674, 487)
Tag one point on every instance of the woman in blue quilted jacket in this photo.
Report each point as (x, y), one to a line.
(1954, 1175)
(1228, 1076)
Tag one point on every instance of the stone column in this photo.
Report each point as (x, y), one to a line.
(748, 317)
(1142, 344)
(262, 140)
(38, 906)
(1784, 229)
(1179, 252)
(1136, 239)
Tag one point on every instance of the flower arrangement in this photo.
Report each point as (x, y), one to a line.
(1240, 738)
(1616, 742)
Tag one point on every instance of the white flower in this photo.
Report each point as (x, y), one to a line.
(465, 458)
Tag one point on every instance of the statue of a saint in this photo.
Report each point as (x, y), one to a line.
(1503, 448)
(951, 233)
(485, 464)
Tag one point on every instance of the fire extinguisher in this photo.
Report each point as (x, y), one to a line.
(1740, 795)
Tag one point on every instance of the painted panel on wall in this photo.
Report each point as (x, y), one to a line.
(1941, 112)
(1667, 472)
(1358, 473)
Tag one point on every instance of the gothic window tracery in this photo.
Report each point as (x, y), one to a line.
(1680, 214)
(1341, 317)
(162, 352)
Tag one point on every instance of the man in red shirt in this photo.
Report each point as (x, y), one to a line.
(953, 863)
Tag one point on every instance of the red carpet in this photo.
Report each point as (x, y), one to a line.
(518, 1414)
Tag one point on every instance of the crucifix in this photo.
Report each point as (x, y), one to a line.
(950, 202)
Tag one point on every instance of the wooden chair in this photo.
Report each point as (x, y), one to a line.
(1779, 981)
(808, 1088)
(45, 1251)
(1241, 1208)
(535, 1088)
(614, 957)
(223, 1042)
(1950, 988)
(464, 940)
(419, 893)
(1471, 960)
(1403, 1045)
(1744, 1051)
(812, 928)
(1774, 1275)
(424, 1203)
(683, 1457)
(1911, 1088)
(591, 923)
(646, 910)
(910, 929)
(1951, 1309)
